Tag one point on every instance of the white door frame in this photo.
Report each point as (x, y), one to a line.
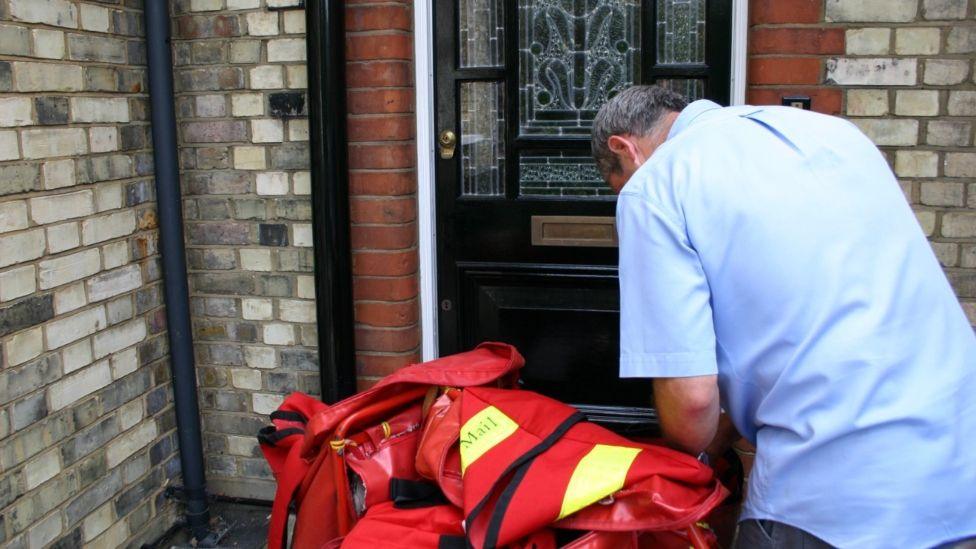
(740, 37)
(423, 13)
(423, 55)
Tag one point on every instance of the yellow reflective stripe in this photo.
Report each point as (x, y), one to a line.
(482, 432)
(599, 474)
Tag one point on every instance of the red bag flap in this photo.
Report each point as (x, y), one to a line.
(486, 364)
(440, 436)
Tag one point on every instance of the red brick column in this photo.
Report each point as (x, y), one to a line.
(788, 47)
(383, 185)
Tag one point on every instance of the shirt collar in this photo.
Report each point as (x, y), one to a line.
(690, 113)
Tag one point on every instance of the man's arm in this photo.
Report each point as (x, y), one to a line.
(666, 328)
(688, 408)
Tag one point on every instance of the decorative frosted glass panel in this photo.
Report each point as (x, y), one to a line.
(692, 88)
(574, 56)
(482, 139)
(680, 31)
(481, 33)
(563, 174)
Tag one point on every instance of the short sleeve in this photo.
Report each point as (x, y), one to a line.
(666, 325)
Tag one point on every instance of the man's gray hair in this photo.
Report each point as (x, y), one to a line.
(635, 111)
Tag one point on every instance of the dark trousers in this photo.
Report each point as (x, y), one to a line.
(769, 534)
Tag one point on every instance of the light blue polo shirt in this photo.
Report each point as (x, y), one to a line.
(774, 247)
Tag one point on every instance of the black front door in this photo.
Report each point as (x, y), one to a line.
(526, 240)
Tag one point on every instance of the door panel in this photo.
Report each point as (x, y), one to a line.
(547, 311)
(518, 84)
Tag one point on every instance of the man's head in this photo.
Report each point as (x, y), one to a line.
(630, 127)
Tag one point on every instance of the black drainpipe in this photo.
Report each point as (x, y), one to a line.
(176, 290)
(325, 37)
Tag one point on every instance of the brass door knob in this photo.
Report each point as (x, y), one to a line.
(448, 142)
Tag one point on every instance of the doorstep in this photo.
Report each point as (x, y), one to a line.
(246, 526)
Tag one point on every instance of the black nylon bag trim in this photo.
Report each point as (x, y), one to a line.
(501, 508)
(452, 542)
(414, 494)
(270, 436)
(288, 415)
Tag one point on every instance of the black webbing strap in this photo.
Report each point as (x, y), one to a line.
(452, 542)
(271, 436)
(288, 415)
(413, 494)
(494, 524)
(501, 507)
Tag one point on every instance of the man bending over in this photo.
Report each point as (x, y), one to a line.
(768, 257)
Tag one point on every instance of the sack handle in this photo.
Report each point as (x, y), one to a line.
(377, 410)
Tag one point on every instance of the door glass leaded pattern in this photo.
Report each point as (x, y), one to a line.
(692, 88)
(482, 139)
(574, 55)
(561, 174)
(481, 33)
(680, 31)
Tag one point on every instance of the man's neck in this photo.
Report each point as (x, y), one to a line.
(658, 136)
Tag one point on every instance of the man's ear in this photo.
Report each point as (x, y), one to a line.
(622, 146)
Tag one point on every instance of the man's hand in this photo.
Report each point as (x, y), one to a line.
(725, 436)
(688, 408)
